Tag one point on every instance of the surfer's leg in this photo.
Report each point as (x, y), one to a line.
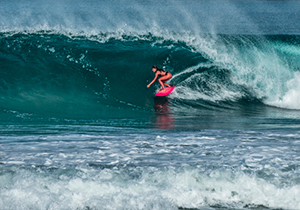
(163, 80)
(162, 84)
(166, 84)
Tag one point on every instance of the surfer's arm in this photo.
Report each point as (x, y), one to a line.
(153, 80)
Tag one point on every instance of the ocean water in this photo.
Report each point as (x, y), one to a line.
(80, 130)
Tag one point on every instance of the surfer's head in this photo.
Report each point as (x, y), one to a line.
(154, 68)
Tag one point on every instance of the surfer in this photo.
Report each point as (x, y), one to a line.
(164, 76)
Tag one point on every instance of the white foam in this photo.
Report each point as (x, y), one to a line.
(291, 99)
(191, 89)
(253, 64)
(152, 189)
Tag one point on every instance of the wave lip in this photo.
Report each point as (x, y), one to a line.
(243, 67)
(93, 17)
(291, 99)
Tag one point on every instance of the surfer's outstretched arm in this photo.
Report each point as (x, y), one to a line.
(152, 80)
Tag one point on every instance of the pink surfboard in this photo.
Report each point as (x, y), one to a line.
(167, 91)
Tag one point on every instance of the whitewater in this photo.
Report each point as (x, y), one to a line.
(79, 129)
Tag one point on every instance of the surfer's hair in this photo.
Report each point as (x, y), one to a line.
(154, 67)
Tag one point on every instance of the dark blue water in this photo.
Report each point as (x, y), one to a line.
(79, 129)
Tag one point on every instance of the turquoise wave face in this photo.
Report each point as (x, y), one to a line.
(106, 75)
